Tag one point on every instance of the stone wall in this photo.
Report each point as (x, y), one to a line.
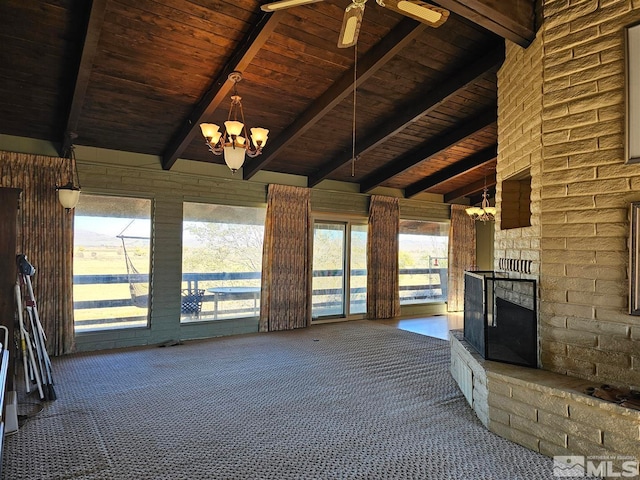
(519, 157)
(586, 190)
(561, 120)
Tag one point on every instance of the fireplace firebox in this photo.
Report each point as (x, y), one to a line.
(500, 317)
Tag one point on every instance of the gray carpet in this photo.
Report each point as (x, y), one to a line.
(354, 400)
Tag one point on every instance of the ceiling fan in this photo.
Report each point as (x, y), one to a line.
(416, 9)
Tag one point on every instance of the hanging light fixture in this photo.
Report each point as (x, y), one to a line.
(69, 194)
(232, 141)
(484, 213)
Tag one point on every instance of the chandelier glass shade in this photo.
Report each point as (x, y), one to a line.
(483, 213)
(232, 142)
(69, 194)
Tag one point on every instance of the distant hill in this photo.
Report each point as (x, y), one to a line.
(88, 238)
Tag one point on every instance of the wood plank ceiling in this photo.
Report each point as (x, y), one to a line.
(141, 75)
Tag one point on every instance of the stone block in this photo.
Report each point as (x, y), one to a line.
(517, 436)
(577, 367)
(622, 444)
(598, 412)
(551, 449)
(542, 401)
(553, 348)
(499, 387)
(599, 186)
(618, 344)
(498, 415)
(571, 428)
(511, 406)
(598, 327)
(549, 433)
(565, 309)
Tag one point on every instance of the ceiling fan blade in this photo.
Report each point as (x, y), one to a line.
(282, 4)
(420, 11)
(351, 25)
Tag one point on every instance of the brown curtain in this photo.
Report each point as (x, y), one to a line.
(285, 302)
(383, 293)
(462, 255)
(45, 236)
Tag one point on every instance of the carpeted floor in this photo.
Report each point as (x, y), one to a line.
(354, 400)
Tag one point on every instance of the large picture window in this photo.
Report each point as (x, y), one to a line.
(423, 261)
(221, 261)
(111, 262)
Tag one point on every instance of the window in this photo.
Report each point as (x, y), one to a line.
(221, 261)
(339, 247)
(111, 261)
(423, 261)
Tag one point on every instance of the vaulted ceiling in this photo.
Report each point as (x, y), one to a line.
(141, 75)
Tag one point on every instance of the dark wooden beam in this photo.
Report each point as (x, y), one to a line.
(414, 109)
(89, 49)
(401, 36)
(220, 87)
(470, 189)
(473, 161)
(513, 20)
(429, 149)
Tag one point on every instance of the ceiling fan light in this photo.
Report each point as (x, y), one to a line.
(233, 127)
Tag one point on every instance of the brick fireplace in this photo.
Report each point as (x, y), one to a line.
(563, 197)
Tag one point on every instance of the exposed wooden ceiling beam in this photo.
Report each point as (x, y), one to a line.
(473, 161)
(402, 35)
(513, 20)
(221, 86)
(470, 189)
(414, 109)
(89, 49)
(429, 149)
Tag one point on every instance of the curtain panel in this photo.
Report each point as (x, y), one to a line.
(45, 236)
(383, 291)
(462, 255)
(285, 302)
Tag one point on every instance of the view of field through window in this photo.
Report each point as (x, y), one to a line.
(423, 261)
(111, 261)
(221, 261)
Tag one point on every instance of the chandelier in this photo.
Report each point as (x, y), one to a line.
(232, 140)
(484, 213)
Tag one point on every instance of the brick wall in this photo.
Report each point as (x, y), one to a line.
(586, 190)
(519, 154)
